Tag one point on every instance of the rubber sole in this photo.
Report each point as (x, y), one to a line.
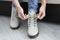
(15, 28)
(34, 35)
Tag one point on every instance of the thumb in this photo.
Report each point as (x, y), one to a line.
(39, 14)
(26, 16)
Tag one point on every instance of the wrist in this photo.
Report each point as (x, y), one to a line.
(43, 6)
(18, 7)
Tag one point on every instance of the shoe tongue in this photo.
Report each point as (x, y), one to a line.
(32, 13)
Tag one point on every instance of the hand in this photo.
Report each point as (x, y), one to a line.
(21, 14)
(41, 13)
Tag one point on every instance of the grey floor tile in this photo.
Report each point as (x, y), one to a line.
(47, 31)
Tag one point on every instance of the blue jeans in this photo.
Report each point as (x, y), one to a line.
(32, 4)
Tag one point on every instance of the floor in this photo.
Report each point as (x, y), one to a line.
(47, 31)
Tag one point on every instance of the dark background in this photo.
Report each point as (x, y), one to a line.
(52, 11)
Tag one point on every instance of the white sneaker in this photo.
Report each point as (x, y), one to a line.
(14, 22)
(32, 24)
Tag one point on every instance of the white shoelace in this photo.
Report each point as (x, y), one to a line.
(32, 20)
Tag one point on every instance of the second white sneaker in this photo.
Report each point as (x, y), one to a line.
(14, 22)
(32, 24)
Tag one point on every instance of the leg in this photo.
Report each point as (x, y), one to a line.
(32, 20)
(32, 5)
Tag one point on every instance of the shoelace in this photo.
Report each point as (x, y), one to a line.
(32, 18)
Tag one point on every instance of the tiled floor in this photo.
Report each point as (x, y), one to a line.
(47, 31)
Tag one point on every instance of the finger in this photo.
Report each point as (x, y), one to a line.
(38, 15)
(23, 16)
(20, 16)
(26, 16)
(43, 15)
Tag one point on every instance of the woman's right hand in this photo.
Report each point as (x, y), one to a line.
(21, 14)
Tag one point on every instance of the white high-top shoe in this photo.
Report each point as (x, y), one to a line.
(32, 24)
(14, 22)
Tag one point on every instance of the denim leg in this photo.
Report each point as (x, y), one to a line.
(32, 5)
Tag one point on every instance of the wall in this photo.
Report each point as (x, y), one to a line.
(48, 1)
